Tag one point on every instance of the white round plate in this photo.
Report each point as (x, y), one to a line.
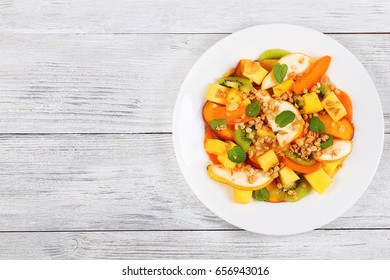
(315, 210)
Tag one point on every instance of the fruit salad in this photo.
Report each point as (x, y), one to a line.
(277, 127)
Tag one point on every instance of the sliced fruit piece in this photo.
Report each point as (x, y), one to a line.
(339, 150)
(301, 168)
(334, 107)
(216, 93)
(233, 96)
(312, 76)
(251, 70)
(319, 180)
(242, 140)
(273, 54)
(287, 175)
(275, 194)
(216, 147)
(312, 103)
(291, 131)
(224, 159)
(265, 131)
(208, 134)
(240, 83)
(242, 196)
(342, 129)
(282, 88)
(237, 116)
(268, 64)
(268, 160)
(214, 111)
(347, 103)
(296, 62)
(246, 101)
(332, 167)
(238, 178)
(294, 157)
(300, 192)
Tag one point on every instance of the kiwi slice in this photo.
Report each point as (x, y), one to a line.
(301, 192)
(273, 54)
(242, 140)
(240, 83)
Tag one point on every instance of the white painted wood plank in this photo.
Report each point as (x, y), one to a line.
(319, 244)
(124, 182)
(120, 83)
(194, 16)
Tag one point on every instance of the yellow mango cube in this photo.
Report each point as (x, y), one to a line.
(217, 93)
(331, 167)
(233, 96)
(319, 180)
(258, 76)
(283, 87)
(226, 162)
(334, 107)
(216, 147)
(287, 175)
(246, 101)
(265, 132)
(268, 160)
(242, 196)
(312, 103)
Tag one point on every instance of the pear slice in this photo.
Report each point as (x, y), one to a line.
(239, 178)
(296, 62)
(339, 150)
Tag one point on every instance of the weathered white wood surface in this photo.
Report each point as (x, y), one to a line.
(125, 182)
(318, 244)
(124, 83)
(193, 16)
(75, 75)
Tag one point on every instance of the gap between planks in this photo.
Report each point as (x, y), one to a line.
(178, 230)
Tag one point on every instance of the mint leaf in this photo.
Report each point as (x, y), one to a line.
(327, 143)
(316, 125)
(284, 118)
(236, 154)
(218, 123)
(253, 109)
(262, 194)
(280, 71)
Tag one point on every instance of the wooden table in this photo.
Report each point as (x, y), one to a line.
(87, 91)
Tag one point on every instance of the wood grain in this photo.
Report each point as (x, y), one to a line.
(200, 16)
(124, 182)
(123, 83)
(319, 244)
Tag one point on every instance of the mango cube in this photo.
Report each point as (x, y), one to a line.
(226, 162)
(268, 160)
(283, 87)
(242, 196)
(265, 132)
(258, 76)
(233, 96)
(287, 175)
(216, 147)
(224, 159)
(334, 107)
(312, 103)
(246, 101)
(217, 93)
(331, 167)
(319, 180)
(252, 70)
